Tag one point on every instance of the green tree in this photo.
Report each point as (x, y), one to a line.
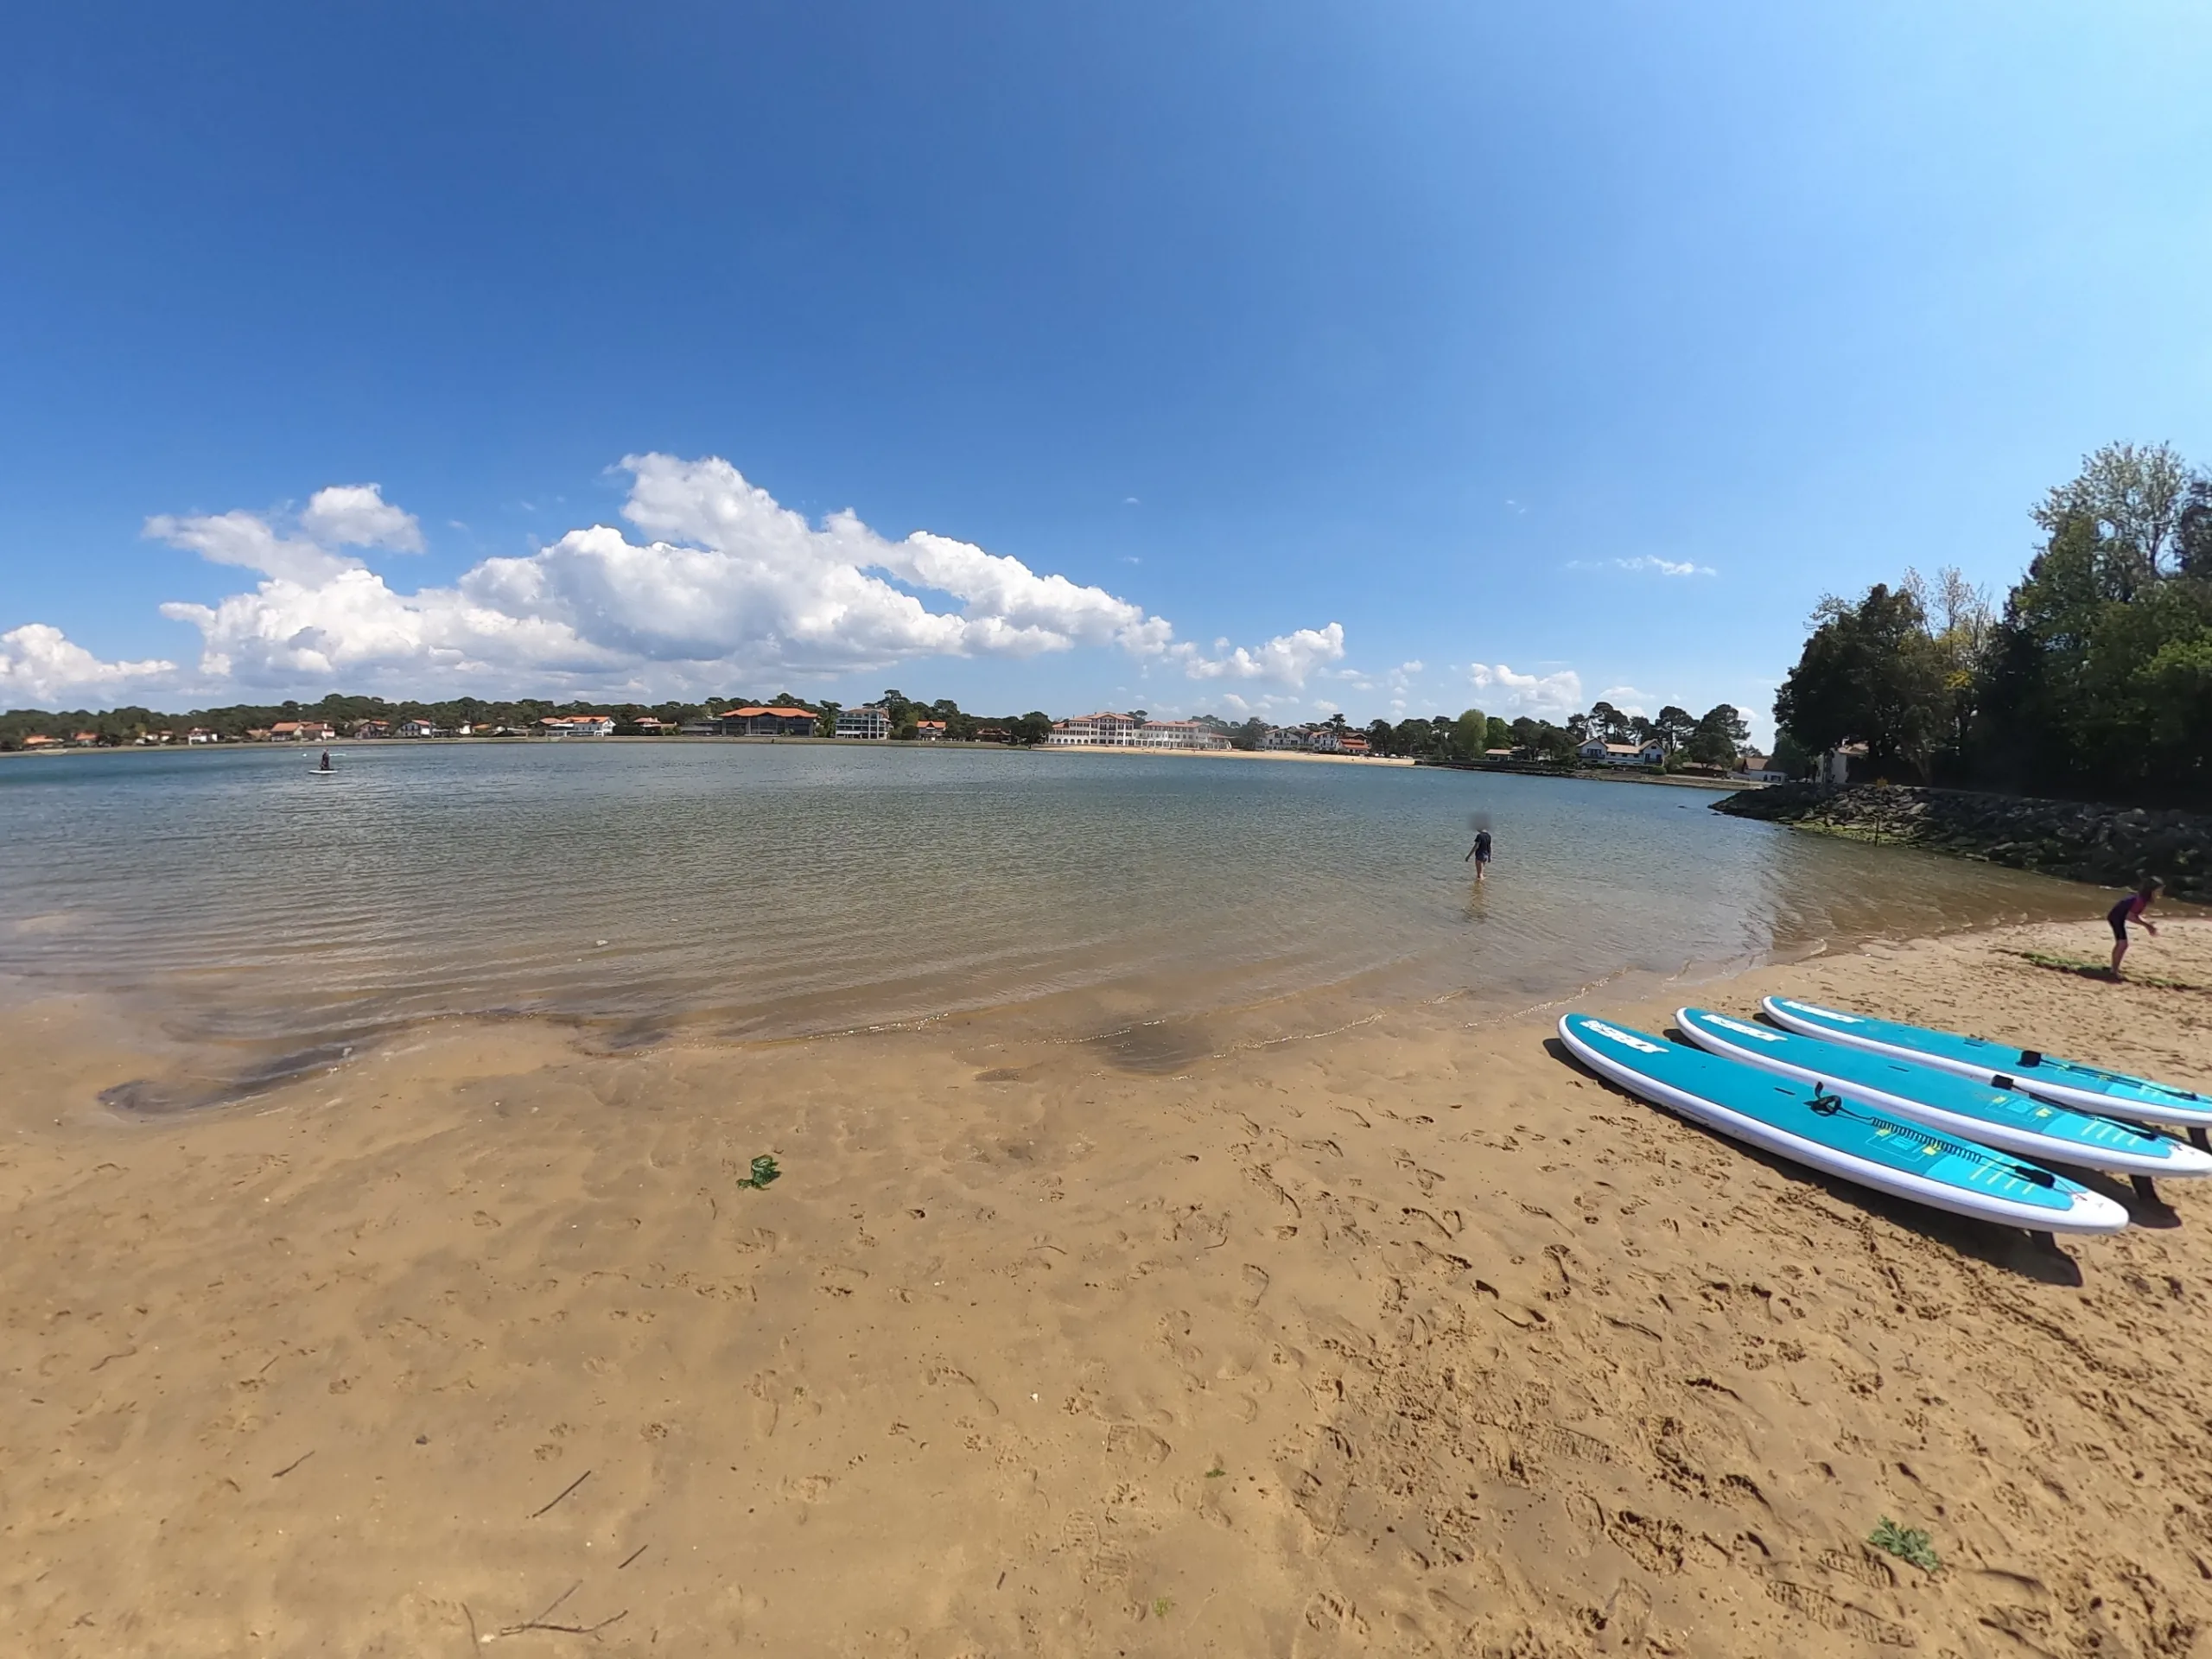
(1471, 734)
(1870, 673)
(2134, 495)
(1720, 734)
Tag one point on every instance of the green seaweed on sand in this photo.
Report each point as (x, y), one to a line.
(764, 1171)
(1906, 1543)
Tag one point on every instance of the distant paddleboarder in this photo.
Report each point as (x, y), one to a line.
(325, 766)
(2130, 909)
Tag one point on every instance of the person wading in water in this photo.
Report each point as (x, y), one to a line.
(1480, 854)
(2130, 909)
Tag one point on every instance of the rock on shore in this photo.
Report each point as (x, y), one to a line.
(2114, 846)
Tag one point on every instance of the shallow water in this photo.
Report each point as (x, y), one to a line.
(744, 890)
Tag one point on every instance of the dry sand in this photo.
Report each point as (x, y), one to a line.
(1411, 1339)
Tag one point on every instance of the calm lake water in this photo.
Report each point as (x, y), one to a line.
(744, 890)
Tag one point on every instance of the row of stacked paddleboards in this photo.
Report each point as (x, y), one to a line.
(1955, 1122)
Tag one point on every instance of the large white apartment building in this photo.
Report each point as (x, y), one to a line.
(1112, 731)
(866, 721)
(1101, 731)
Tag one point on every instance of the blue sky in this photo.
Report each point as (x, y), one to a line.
(1389, 356)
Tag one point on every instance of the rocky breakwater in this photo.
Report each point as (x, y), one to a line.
(2113, 846)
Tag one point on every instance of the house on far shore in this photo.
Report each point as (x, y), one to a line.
(771, 719)
(372, 728)
(1498, 754)
(40, 741)
(652, 726)
(869, 722)
(577, 725)
(1597, 753)
(990, 735)
(929, 731)
(1833, 769)
(201, 734)
(1757, 768)
(415, 728)
(86, 739)
(299, 731)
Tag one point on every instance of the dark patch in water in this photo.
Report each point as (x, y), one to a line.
(1154, 1050)
(627, 1038)
(1000, 1074)
(153, 1098)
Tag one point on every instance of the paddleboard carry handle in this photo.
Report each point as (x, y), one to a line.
(2031, 1057)
(2002, 1082)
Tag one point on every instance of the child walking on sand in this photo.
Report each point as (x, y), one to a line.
(2130, 909)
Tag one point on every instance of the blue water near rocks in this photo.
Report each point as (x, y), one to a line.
(749, 889)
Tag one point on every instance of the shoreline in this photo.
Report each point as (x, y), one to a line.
(1405, 1333)
(948, 746)
(2098, 843)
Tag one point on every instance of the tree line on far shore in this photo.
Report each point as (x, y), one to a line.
(2095, 679)
(123, 726)
(1712, 740)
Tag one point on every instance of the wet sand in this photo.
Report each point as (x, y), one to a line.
(1408, 1339)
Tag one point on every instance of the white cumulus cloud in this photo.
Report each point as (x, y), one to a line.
(1286, 659)
(241, 538)
(357, 515)
(40, 666)
(1542, 696)
(724, 583)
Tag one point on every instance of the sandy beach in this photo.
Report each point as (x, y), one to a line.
(1410, 1338)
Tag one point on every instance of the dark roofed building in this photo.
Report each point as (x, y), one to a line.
(768, 720)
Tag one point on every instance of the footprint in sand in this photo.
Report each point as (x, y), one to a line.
(1254, 1286)
(1136, 1444)
(1626, 1619)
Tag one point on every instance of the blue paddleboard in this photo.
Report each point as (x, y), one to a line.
(1821, 1131)
(2004, 1118)
(2068, 1082)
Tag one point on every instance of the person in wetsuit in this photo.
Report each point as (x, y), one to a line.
(1479, 853)
(2130, 909)
(325, 766)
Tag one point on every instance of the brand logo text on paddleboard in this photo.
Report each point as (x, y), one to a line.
(1626, 1039)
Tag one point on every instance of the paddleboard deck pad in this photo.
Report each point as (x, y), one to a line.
(2069, 1083)
(2003, 1118)
(1824, 1132)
